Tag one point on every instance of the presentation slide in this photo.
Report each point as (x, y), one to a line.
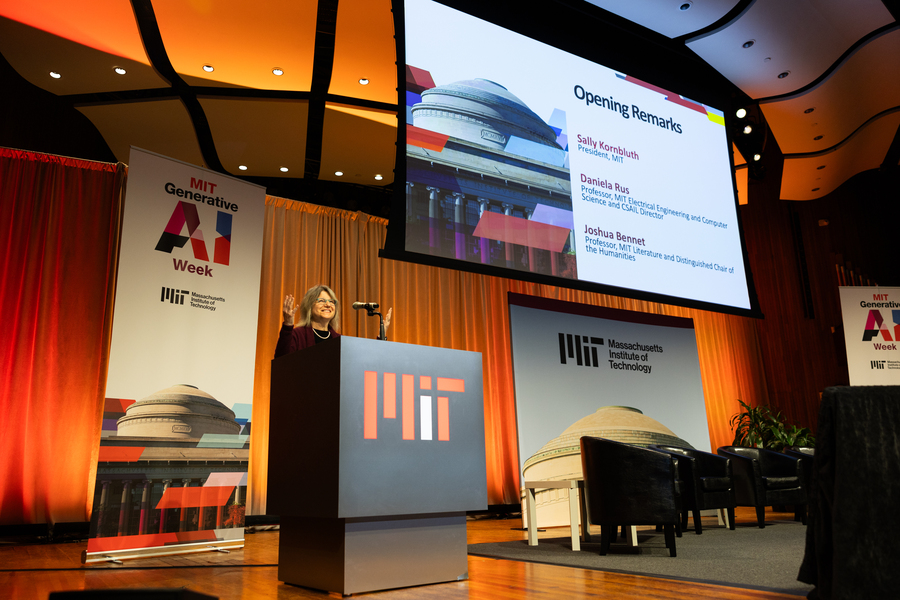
(523, 156)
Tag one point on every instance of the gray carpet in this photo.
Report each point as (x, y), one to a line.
(748, 557)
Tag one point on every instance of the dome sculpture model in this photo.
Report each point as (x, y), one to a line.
(560, 458)
(481, 112)
(177, 412)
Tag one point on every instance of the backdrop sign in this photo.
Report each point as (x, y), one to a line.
(618, 358)
(181, 365)
(571, 360)
(871, 332)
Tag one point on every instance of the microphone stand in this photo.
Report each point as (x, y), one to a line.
(382, 335)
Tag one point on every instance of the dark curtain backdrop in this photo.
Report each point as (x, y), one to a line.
(59, 235)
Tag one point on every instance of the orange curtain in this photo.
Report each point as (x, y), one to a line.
(307, 244)
(59, 232)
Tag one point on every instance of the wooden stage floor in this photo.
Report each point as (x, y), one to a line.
(33, 570)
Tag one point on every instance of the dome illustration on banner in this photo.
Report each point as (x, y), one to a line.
(179, 411)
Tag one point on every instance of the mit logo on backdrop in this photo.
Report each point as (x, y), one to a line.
(621, 356)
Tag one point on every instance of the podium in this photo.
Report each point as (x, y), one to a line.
(376, 452)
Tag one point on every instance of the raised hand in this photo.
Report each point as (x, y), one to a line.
(289, 310)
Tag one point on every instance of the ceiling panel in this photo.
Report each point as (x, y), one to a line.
(667, 16)
(263, 135)
(243, 41)
(34, 53)
(106, 25)
(359, 143)
(161, 126)
(801, 37)
(258, 125)
(856, 92)
(811, 177)
(364, 47)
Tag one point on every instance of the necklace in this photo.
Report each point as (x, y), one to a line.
(320, 336)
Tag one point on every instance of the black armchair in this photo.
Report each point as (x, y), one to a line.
(630, 485)
(765, 477)
(807, 456)
(706, 483)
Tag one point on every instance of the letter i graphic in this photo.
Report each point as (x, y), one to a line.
(223, 243)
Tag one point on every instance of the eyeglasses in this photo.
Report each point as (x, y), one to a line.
(326, 301)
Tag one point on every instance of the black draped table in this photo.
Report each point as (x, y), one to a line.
(853, 535)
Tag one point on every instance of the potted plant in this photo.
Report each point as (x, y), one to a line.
(761, 428)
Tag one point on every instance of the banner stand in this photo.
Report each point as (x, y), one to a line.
(871, 316)
(175, 438)
(117, 556)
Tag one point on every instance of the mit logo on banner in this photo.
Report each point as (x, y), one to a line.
(173, 296)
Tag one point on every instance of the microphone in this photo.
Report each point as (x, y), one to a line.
(365, 305)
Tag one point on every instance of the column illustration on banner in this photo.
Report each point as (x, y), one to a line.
(175, 441)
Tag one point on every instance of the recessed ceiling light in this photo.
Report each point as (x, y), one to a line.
(339, 173)
(749, 43)
(55, 75)
(809, 110)
(208, 68)
(783, 74)
(741, 113)
(284, 169)
(242, 167)
(363, 81)
(378, 178)
(685, 5)
(277, 71)
(747, 129)
(757, 157)
(819, 168)
(815, 189)
(119, 70)
(818, 137)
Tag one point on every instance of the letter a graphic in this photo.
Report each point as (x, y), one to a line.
(874, 326)
(184, 214)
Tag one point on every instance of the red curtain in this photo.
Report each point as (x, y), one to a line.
(59, 231)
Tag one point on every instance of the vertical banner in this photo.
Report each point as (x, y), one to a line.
(175, 442)
(871, 331)
(588, 370)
